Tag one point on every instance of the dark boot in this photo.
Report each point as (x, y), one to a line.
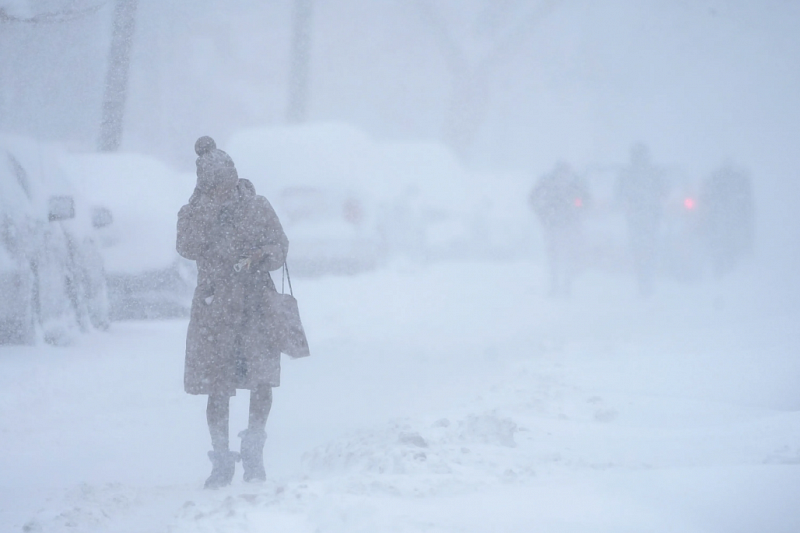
(224, 465)
(253, 454)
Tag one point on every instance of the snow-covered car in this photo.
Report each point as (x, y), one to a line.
(51, 272)
(139, 198)
(314, 178)
(327, 230)
(349, 202)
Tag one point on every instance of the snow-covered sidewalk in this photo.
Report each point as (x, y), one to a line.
(444, 398)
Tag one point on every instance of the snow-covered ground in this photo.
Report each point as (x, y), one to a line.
(441, 398)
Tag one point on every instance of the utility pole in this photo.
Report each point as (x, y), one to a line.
(299, 62)
(119, 59)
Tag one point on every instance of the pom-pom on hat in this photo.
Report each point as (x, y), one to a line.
(204, 145)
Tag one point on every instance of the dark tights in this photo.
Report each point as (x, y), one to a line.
(218, 415)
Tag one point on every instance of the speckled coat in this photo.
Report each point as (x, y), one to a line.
(230, 343)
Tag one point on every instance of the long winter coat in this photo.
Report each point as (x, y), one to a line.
(230, 342)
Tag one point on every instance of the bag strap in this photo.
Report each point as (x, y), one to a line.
(284, 277)
(288, 278)
(285, 274)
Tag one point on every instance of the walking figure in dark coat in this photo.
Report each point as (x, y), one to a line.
(728, 212)
(559, 200)
(235, 237)
(641, 190)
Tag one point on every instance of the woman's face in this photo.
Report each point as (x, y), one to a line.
(215, 182)
(224, 181)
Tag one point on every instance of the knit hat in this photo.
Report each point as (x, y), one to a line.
(215, 168)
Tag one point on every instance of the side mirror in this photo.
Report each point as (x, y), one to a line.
(101, 217)
(61, 208)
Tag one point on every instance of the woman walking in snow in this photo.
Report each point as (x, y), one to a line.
(236, 238)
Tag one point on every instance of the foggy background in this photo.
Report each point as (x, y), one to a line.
(509, 86)
(447, 108)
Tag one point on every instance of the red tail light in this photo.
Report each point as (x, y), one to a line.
(689, 203)
(578, 202)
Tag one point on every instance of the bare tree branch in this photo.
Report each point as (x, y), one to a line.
(55, 17)
(454, 56)
(514, 38)
(453, 52)
(471, 76)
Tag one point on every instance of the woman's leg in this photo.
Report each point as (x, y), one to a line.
(254, 437)
(218, 415)
(260, 405)
(223, 460)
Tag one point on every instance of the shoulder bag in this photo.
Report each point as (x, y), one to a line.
(291, 335)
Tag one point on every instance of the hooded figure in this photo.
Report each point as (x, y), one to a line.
(727, 204)
(641, 190)
(235, 237)
(560, 199)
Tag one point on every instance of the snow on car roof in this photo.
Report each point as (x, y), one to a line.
(144, 196)
(340, 156)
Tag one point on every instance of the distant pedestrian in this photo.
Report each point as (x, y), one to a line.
(727, 209)
(235, 237)
(559, 200)
(641, 191)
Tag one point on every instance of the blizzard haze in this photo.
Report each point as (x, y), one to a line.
(483, 357)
